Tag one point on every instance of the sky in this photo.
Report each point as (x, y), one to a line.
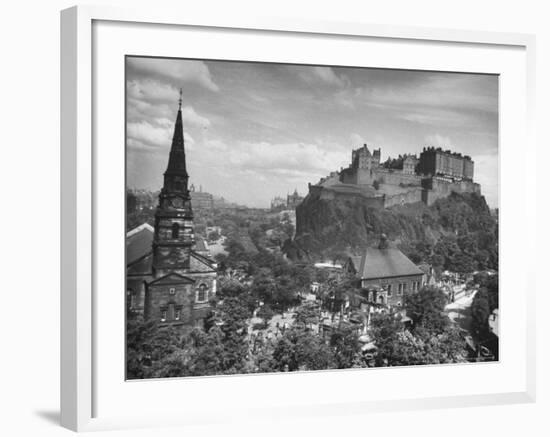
(254, 131)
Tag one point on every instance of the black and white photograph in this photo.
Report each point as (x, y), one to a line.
(286, 217)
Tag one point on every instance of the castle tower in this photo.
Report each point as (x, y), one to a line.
(174, 234)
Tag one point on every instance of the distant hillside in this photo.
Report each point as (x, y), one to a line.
(457, 233)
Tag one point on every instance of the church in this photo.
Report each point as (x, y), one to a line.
(168, 278)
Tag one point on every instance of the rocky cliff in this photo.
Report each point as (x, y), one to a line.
(456, 232)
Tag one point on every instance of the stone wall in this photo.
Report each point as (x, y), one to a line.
(396, 177)
(410, 196)
(160, 298)
(413, 187)
(360, 176)
(179, 300)
(438, 188)
(397, 288)
(371, 201)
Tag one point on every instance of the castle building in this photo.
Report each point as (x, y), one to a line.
(363, 158)
(172, 283)
(409, 164)
(386, 273)
(293, 200)
(363, 168)
(439, 162)
(435, 175)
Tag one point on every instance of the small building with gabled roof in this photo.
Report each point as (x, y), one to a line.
(386, 274)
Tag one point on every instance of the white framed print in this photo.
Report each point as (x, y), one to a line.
(268, 218)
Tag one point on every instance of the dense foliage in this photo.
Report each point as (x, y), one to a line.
(484, 303)
(431, 339)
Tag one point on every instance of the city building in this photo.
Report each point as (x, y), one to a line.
(278, 203)
(200, 200)
(167, 278)
(386, 273)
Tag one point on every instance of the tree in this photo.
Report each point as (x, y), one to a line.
(231, 288)
(300, 349)
(335, 295)
(147, 343)
(426, 309)
(307, 314)
(234, 315)
(266, 313)
(397, 346)
(345, 343)
(139, 349)
(312, 352)
(207, 358)
(213, 236)
(385, 330)
(480, 315)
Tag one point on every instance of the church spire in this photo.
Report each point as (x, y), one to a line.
(176, 162)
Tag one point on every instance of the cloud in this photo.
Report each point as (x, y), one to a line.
(304, 158)
(325, 75)
(289, 125)
(179, 70)
(449, 92)
(486, 174)
(151, 90)
(437, 140)
(147, 133)
(189, 117)
(148, 137)
(356, 140)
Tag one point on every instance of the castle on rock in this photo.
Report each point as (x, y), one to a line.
(435, 174)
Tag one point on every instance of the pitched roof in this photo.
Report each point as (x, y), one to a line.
(176, 161)
(143, 266)
(200, 245)
(356, 262)
(173, 278)
(211, 264)
(384, 263)
(139, 242)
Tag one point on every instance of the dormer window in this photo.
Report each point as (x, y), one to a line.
(175, 230)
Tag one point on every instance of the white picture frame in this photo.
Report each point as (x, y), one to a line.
(82, 365)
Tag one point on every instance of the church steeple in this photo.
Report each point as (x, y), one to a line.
(175, 176)
(174, 227)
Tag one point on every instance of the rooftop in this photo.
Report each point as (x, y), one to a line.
(139, 242)
(384, 263)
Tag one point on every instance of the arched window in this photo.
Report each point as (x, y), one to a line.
(202, 293)
(175, 230)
